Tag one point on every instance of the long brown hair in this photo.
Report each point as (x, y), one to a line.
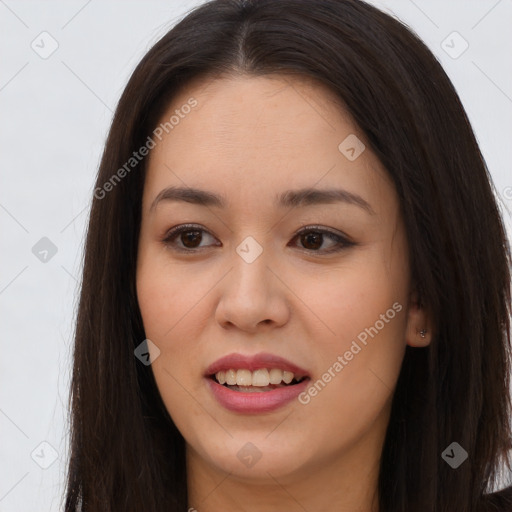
(126, 453)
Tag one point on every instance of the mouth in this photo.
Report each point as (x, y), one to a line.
(258, 381)
(255, 384)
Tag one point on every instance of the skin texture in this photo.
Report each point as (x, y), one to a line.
(248, 139)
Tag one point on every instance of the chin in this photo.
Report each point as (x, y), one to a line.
(259, 458)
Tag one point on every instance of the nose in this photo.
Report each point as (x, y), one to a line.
(253, 296)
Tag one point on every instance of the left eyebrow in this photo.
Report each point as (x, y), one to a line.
(288, 199)
(312, 196)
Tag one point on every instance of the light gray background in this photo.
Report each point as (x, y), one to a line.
(55, 116)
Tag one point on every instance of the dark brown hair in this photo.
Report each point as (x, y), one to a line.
(126, 453)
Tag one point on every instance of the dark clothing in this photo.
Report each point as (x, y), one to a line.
(500, 501)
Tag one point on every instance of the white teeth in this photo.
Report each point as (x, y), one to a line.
(231, 377)
(243, 378)
(287, 377)
(276, 376)
(258, 378)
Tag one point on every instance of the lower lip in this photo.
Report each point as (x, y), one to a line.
(255, 402)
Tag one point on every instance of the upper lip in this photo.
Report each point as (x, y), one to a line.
(254, 362)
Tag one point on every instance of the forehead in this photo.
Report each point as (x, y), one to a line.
(250, 109)
(251, 135)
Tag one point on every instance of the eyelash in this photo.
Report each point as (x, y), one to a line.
(342, 241)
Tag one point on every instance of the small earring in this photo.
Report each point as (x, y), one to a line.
(423, 332)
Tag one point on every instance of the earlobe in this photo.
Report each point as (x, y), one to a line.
(419, 329)
(421, 338)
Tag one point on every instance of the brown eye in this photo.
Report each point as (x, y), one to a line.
(185, 238)
(312, 239)
(190, 238)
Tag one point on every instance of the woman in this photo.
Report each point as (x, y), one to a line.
(296, 288)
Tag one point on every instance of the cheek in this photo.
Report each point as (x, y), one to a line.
(168, 294)
(170, 300)
(353, 297)
(364, 306)
(175, 305)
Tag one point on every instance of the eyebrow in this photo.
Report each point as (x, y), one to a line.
(288, 199)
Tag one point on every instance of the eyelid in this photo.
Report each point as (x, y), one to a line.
(323, 229)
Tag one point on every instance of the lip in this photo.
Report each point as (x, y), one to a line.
(255, 402)
(254, 362)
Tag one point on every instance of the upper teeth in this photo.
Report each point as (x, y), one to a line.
(260, 378)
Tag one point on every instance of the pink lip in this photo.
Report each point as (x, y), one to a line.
(256, 402)
(252, 363)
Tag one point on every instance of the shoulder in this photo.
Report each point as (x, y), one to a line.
(499, 501)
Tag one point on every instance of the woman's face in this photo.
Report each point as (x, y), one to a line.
(334, 304)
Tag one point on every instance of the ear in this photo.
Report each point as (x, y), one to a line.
(419, 328)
